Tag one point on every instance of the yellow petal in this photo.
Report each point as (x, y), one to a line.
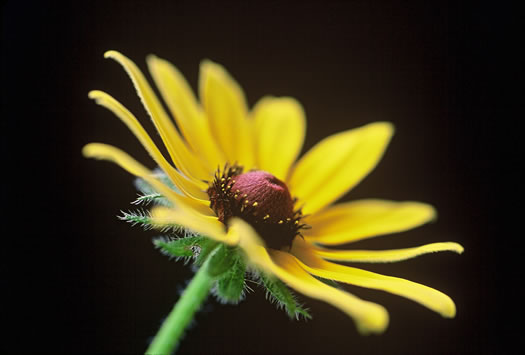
(188, 114)
(179, 152)
(385, 256)
(352, 221)
(368, 317)
(190, 188)
(206, 226)
(337, 164)
(428, 297)
(225, 106)
(107, 152)
(280, 126)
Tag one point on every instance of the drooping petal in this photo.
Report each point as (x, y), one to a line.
(369, 317)
(225, 106)
(107, 152)
(337, 164)
(424, 295)
(206, 226)
(356, 220)
(190, 188)
(280, 127)
(179, 152)
(184, 107)
(385, 256)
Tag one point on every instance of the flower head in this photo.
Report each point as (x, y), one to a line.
(236, 181)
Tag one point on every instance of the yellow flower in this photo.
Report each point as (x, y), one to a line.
(278, 210)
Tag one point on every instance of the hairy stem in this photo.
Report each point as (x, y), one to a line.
(190, 301)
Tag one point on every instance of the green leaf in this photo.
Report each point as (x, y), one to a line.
(280, 294)
(138, 217)
(206, 246)
(180, 247)
(221, 260)
(149, 194)
(230, 286)
(143, 218)
(155, 198)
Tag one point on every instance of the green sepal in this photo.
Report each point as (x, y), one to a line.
(138, 217)
(280, 294)
(143, 218)
(221, 260)
(180, 247)
(230, 286)
(206, 246)
(153, 198)
(150, 195)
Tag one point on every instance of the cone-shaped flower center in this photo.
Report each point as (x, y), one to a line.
(260, 199)
(268, 195)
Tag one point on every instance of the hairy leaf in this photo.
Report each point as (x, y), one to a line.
(153, 198)
(206, 246)
(221, 260)
(180, 247)
(231, 285)
(279, 293)
(138, 217)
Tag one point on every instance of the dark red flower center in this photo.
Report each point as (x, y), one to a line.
(260, 199)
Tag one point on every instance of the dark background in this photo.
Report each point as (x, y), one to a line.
(75, 279)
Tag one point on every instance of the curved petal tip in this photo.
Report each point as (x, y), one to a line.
(111, 54)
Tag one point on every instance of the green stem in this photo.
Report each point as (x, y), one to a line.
(190, 301)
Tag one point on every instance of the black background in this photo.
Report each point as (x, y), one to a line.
(446, 74)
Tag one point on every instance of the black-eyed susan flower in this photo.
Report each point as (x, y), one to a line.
(234, 180)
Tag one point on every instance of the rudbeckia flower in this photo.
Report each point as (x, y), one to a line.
(235, 178)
